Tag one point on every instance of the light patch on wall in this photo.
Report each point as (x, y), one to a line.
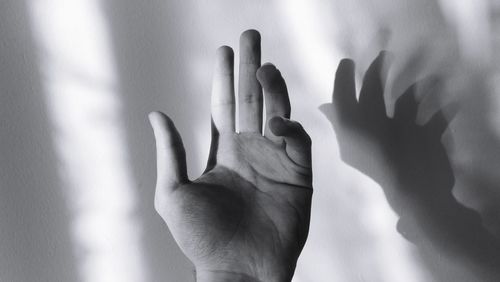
(310, 41)
(85, 109)
(472, 22)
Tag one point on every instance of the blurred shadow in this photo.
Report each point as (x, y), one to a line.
(35, 243)
(477, 157)
(152, 55)
(411, 164)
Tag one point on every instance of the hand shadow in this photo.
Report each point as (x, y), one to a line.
(411, 165)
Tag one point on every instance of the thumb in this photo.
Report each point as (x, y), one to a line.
(170, 154)
(298, 142)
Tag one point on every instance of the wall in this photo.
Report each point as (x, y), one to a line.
(78, 166)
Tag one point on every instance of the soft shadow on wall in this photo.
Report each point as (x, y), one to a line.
(154, 57)
(35, 244)
(152, 47)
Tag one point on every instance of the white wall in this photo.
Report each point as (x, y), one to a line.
(78, 165)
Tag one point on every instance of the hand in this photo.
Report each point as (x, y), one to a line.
(408, 160)
(247, 217)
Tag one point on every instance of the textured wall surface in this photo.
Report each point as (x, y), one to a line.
(77, 170)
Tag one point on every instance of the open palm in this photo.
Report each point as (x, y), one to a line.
(248, 214)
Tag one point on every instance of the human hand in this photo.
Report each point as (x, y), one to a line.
(407, 159)
(247, 217)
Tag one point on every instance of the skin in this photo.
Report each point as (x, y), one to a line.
(247, 217)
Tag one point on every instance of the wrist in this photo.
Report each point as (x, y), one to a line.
(223, 276)
(229, 275)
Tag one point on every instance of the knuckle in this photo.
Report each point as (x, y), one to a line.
(302, 133)
(250, 98)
